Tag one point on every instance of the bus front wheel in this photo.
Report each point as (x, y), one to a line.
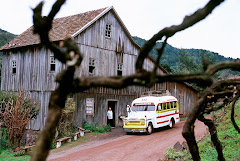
(149, 129)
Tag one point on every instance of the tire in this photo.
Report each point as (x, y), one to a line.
(172, 123)
(149, 129)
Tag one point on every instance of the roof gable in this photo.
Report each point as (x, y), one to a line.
(72, 25)
(60, 28)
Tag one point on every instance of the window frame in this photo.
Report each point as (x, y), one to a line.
(14, 66)
(91, 66)
(119, 69)
(108, 30)
(52, 63)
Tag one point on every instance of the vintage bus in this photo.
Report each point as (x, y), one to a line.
(149, 112)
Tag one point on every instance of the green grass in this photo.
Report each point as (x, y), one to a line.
(7, 155)
(94, 127)
(227, 135)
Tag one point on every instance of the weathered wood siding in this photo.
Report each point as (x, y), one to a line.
(186, 96)
(101, 97)
(33, 71)
(93, 44)
(33, 75)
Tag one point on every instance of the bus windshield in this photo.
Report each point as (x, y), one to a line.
(144, 108)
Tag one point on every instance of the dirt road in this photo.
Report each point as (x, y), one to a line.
(128, 147)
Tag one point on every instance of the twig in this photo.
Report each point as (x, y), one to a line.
(232, 114)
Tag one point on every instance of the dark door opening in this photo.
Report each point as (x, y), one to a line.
(113, 105)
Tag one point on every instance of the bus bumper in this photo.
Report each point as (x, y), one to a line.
(135, 129)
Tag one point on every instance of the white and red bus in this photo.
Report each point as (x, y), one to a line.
(147, 113)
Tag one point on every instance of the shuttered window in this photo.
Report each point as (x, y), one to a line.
(119, 69)
(52, 63)
(14, 66)
(91, 66)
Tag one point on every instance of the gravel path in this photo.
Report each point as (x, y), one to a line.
(116, 146)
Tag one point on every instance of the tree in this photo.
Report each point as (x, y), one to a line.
(68, 53)
(18, 110)
(187, 63)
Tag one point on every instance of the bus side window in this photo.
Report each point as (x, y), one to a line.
(168, 105)
(159, 107)
(171, 103)
(164, 106)
(174, 104)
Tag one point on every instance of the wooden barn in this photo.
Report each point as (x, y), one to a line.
(108, 50)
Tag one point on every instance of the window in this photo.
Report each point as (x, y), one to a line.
(174, 105)
(159, 108)
(143, 108)
(171, 104)
(108, 31)
(164, 107)
(119, 69)
(168, 105)
(14, 66)
(91, 66)
(52, 63)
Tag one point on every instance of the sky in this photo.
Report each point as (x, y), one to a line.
(219, 32)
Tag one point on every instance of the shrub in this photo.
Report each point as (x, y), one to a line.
(16, 111)
(24, 98)
(19, 153)
(4, 141)
(94, 127)
(108, 128)
(172, 154)
(65, 126)
(53, 145)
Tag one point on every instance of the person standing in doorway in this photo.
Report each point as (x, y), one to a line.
(110, 117)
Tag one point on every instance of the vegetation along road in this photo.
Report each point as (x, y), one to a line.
(128, 147)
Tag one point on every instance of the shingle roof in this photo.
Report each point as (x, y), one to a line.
(60, 28)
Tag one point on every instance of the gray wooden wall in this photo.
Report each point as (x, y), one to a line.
(186, 96)
(101, 97)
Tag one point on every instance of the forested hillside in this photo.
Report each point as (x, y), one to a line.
(176, 60)
(5, 37)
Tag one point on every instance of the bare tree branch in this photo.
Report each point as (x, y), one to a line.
(212, 69)
(214, 137)
(232, 114)
(67, 53)
(206, 97)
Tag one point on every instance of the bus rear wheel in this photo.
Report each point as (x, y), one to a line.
(171, 124)
(149, 129)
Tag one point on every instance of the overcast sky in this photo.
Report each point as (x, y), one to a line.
(219, 32)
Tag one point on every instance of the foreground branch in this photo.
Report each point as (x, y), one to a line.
(67, 53)
(213, 132)
(232, 115)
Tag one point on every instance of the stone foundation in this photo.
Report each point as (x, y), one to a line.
(30, 137)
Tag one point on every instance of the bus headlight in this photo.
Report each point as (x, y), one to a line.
(125, 121)
(142, 121)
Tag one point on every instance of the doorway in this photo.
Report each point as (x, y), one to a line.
(113, 105)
